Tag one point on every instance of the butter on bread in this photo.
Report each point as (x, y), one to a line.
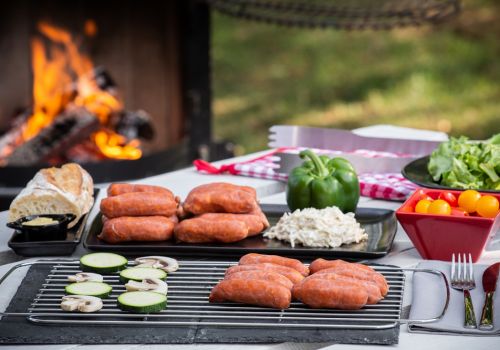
(68, 189)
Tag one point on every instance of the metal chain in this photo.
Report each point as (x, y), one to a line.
(340, 14)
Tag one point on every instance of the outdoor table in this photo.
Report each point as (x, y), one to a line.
(403, 254)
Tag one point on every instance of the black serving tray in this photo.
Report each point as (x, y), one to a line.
(380, 224)
(21, 246)
(417, 172)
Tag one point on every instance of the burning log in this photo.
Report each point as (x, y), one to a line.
(68, 129)
(135, 125)
(85, 152)
(77, 110)
(10, 138)
(103, 79)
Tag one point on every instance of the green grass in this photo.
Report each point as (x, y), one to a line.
(442, 78)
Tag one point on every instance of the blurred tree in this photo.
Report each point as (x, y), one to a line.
(443, 77)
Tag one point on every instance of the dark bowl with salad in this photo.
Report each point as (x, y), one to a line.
(459, 164)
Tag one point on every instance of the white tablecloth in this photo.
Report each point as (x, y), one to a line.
(403, 254)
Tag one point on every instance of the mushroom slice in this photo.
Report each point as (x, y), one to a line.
(82, 303)
(85, 277)
(148, 284)
(158, 262)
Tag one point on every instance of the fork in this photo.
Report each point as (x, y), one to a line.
(463, 279)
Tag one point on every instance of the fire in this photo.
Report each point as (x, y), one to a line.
(62, 75)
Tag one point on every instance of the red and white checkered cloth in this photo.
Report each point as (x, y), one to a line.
(390, 186)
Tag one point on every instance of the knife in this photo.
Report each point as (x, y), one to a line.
(490, 278)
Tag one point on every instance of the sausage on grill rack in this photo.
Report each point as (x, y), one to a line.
(253, 258)
(373, 290)
(292, 274)
(335, 294)
(359, 274)
(270, 276)
(321, 264)
(253, 292)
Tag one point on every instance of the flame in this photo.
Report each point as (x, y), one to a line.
(110, 144)
(62, 75)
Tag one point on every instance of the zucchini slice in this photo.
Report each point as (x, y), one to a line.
(94, 289)
(142, 302)
(140, 273)
(103, 263)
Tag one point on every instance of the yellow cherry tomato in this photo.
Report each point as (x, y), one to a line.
(422, 206)
(440, 207)
(487, 206)
(468, 200)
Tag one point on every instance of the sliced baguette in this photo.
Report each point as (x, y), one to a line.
(68, 189)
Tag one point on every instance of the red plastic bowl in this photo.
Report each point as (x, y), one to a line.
(437, 237)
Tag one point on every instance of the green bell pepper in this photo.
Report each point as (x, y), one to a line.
(322, 182)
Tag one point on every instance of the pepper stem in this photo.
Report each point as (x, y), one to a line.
(320, 168)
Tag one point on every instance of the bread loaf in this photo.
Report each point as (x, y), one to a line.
(68, 189)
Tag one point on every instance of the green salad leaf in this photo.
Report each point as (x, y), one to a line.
(461, 163)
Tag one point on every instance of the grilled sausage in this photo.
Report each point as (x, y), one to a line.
(121, 188)
(363, 275)
(325, 293)
(147, 228)
(220, 197)
(253, 292)
(253, 258)
(288, 272)
(138, 204)
(374, 295)
(262, 275)
(321, 264)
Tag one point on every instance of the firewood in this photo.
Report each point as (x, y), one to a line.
(71, 127)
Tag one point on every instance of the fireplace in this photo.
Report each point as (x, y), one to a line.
(133, 88)
(122, 87)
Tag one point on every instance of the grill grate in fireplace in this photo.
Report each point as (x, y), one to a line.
(340, 14)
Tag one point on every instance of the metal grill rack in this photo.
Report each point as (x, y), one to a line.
(340, 14)
(188, 304)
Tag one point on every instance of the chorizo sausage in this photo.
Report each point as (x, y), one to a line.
(254, 258)
(363, 275)
(262, 275)
(325, 293)
(253, 292)
(138, 204)
(258, 211)
(253, 222)
(220, 197)
(321, 264)
(127, 228)
(374, 295)
(121, 188)
(172, 218)
(218, 227)
(288, 272)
